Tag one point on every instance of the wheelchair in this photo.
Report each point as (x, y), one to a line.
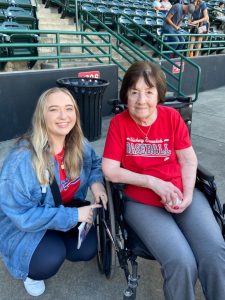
(117, 241)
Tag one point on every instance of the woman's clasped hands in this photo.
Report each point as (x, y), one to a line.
(171, 196)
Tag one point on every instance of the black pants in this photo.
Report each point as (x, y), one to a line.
(57, 246)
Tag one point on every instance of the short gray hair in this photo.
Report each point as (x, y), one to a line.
(191, 8)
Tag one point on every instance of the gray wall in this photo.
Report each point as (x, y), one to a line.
(19, 92)
(212, 73)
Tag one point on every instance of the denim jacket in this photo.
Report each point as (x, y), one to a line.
(26, 213)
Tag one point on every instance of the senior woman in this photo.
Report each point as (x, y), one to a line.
(149, 150)
(37, 235)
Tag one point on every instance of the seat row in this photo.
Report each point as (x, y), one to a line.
(17, 37)
(19, 15)
(26, 4)
(102, 9)
(68, 7)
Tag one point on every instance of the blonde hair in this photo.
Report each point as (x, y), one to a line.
(38, 137)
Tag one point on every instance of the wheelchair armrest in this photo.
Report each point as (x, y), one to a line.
(204, 174)
(118, 186)
(178, 99)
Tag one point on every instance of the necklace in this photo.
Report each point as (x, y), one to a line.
(144, 133)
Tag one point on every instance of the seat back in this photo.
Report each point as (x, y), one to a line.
(21, 16)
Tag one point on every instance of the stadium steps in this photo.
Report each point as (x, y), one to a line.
(50, 19)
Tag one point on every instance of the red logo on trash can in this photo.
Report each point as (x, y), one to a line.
(91, 74)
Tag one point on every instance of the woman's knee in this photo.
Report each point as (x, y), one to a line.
(48, 257)
(53, 265)
(213, 258)
(87, 250)
(182, 265)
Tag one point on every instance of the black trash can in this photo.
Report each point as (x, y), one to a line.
(88, 92)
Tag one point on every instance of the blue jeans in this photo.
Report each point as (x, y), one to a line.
(57, 246)
(187, 246)
(176, 38)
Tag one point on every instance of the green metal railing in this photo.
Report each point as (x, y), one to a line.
(100, 47)
(125, 49)
(211, 43)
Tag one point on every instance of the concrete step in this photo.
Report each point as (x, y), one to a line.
(56, 26)
(52, 19)
(49, 19)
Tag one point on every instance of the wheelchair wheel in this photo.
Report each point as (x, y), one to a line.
(106, 255)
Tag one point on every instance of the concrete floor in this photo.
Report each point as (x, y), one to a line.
(82, 281)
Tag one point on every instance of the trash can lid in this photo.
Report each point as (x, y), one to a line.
(82, 81)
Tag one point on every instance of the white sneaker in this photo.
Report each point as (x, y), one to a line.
(34, 287)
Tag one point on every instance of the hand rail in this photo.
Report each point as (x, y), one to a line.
(104, 42)
(133, 52)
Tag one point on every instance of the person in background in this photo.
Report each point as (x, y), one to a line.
(148, 148)
(166, 5)
(199, 19)
(218, 10)
(158, 6)
(172, 25)
(36, 236)
(219, 14)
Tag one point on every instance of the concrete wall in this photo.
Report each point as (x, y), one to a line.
(19, 92)
(212, 73)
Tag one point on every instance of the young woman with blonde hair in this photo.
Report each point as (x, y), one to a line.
(37, 235)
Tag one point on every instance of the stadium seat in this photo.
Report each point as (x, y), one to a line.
(20, 38)
(21, 16)
(105, 15)
(140, 12)
(160, 14)
(4, 4)
(150, 23)
(93, 10)
(123, 25)
(126, 4)
(4, 38)
(95, 2)
(151, 13)
(116, 3)
(116, 10)
(59, 3)
(128, 11)
(66, 8)
(26, 4)
(141, 22)
(2, 16)
(159, 22)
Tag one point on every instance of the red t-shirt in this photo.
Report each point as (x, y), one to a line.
(154, 155)
(68, 187)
